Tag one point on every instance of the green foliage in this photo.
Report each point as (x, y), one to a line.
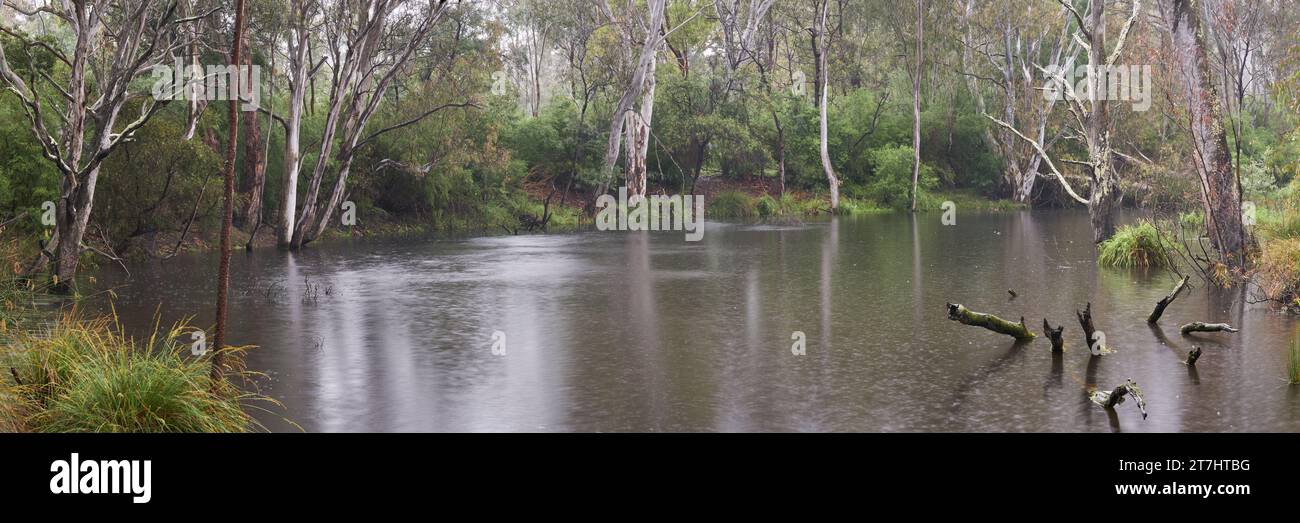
(891, 185)
(1138, 245)
(153, 182)
(732, 204)
(27, 179)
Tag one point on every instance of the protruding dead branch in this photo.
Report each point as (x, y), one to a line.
(1110, 400)
(1193, 355)
(1058, 341)
(1164, 302)
(1091, 338)
(961, 314)
(1200, 326)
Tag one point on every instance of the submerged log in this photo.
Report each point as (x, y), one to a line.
(1058, 341)
(1109, 400)
(1193, 355)
(961, 314)
(1200, 326)
(1164, 302)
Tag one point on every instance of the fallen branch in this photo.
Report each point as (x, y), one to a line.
(1192, 356)
(1164, 302)
(1058, 341)
(1200, 326)
(1109, 400)
(961, 314)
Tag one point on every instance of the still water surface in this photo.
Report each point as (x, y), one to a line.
(646, 332)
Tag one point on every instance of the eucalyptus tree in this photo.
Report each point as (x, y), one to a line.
(1006, 45)
(820, 39)
(640, 37)
(1090, 114)
(112, 44)
(1220, 185)
(303, 21)
(368, 46)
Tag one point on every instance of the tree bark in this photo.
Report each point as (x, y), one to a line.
(254, 181)
(301, 69)
(1103, 201)
(633, 90)
(823, 89)
(916, 100)
(1220, 191)
(228, 199)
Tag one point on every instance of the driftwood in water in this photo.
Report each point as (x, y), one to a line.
(1113, 398)
(961, 314)
(1090, 336)
(1193, 355)
(1164, 302)
(1058, 341)
(1201, 326)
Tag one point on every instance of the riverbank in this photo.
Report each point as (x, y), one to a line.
(528, 211)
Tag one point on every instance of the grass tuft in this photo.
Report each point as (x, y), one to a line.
(85, 376)
(732, 204)
(1138, 245)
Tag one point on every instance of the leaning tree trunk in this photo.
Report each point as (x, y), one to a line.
(648, 52)
(1220, 193)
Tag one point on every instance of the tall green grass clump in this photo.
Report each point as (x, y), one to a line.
(1138, 245)
(732, 204)
(85, 376)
